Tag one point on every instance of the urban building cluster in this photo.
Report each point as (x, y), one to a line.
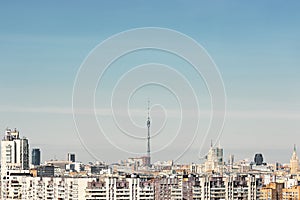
(24, 176)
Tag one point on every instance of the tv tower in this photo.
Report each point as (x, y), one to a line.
(148, 137)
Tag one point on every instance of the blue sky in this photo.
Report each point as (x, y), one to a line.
(255, 44)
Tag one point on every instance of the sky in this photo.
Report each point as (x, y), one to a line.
(255, 45)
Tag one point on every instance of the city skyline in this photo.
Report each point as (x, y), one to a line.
(137, 178)
(35, 157)
(254, 45)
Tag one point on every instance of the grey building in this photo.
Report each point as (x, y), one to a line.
(36, 156)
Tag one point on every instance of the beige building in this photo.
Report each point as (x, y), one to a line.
(272, 191)
(292, 193)
(214, 160)
(294, 162)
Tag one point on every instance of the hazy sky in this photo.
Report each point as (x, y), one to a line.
(256, 46)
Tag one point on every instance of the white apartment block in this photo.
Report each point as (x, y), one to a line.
(14, 157)
(14, 151)
(21, 185)
(115, 188)
(25, 187)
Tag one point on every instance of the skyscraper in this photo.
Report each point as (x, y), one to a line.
(71, 157)
(36, 156)
(258, 159)
(294, 162)
(214, 159)
(14, 151)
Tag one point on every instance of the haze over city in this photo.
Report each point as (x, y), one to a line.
(256, 47)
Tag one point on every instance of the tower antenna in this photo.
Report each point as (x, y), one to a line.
(148, 137)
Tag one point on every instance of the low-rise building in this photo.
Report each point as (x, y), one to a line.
(291, 193)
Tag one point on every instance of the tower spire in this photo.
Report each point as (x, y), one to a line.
(148, 136)
(148, 109)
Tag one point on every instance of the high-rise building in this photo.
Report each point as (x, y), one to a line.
(258, 159)
(214, 159)
(231, 159)
(14, 160)
(71, 157)
(14, 151)
(36, 156)
(294, 162)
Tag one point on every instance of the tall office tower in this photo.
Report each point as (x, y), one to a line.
(294, 162)
(71, 157)
(14, 151)
(231, 159)
(36, 156)
(258, 159)
(220, 153)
